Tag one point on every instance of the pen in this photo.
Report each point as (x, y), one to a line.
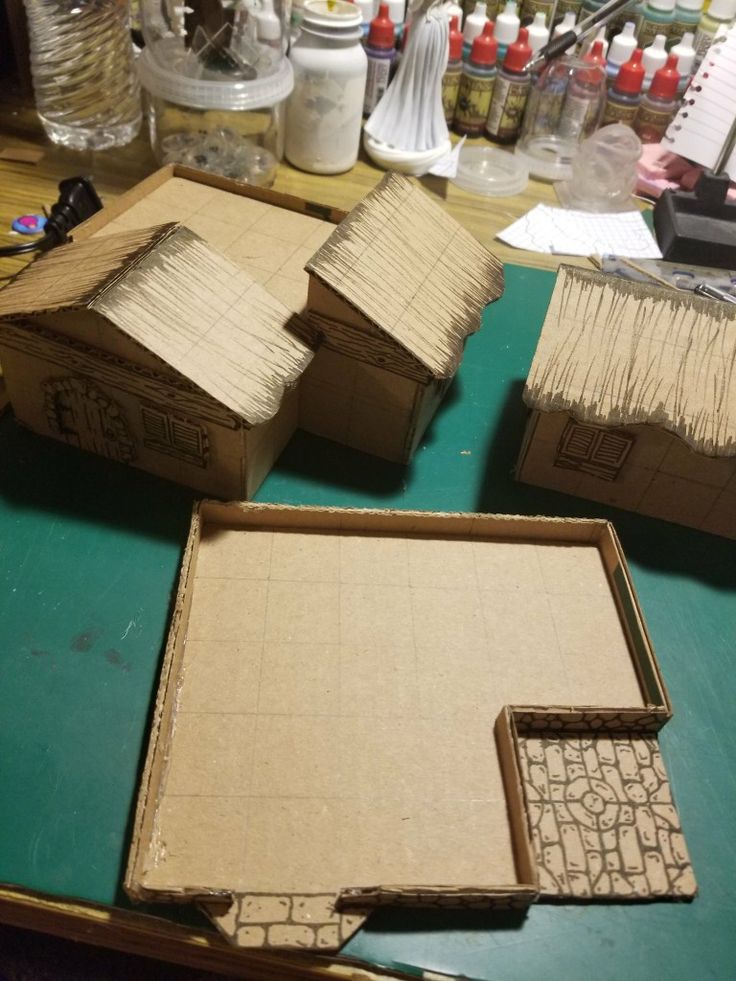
(559, 45)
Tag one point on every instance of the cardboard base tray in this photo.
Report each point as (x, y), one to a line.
(323, 740)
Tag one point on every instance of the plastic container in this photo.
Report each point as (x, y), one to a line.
(718, 14)
(685, 52)
(491, 172)
(84, 81)
(214, 89)
(507, 28)
(564, 104)
(476, 85)
(621, 48)
(538, 31)
(324, 113)
(687, 17)
(453, 72)
(510, 92)
(380, 51)
(660, 103)
(656, 17)
(473, 28)
(603, 173)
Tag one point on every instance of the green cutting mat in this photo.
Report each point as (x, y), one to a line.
(88, 558)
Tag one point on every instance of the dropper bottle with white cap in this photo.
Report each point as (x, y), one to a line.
(507, 28)
(538, 31)
(566, 24)
(621, 49)
(653, 58)
(473, 28)
(687, 16)
(718, 15)
(268, 25)
(685, 51)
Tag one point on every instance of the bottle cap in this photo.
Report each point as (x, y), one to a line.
(666, 5)
(685, 51)
(722, 9)
(538, 33)
(655, 56)
(366, 8)
(630, 76)
(268, 25)
(690, 4)
(485, 47)
(474, 22)
(381, 34)
(507, 24)
(518, 53)
(623, 45)
(566, 24)
(456, 40)
(665, 81)
(596, 55)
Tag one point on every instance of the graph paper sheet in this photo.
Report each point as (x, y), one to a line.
(563, 232)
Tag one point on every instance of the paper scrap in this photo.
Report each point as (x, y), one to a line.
(564, 232)
(446, 166)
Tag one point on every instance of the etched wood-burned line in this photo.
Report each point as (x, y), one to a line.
(595, 450)
(615, 353)
(125, 376)
(297, 920)
(369, 347)
(78, 413)
(602, 820)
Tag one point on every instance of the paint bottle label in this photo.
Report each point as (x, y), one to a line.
(531, 7)
(651, 123)
(703, 40)
(473, 102)
(579, 116)
(507, 108)
(648, 30)
(376, 82)
(617, 113)
(450, 91)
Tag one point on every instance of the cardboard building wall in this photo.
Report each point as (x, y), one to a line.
(633, 399)
(94, 361)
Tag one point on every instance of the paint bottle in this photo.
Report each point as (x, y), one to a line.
(565, 7)
(451, 78)
(629, 12)
(653, 58)
(621, 49)
(529, 9)
(455, 10)
(380, 51)
(587, 46)
(476, 85)
(659, 105)
(507, 28)
(719, 13)
(685, 52)
(397, 13)
(367, 10)
(538, 32)
(656, 17)
(474, 24)
(268, 25)
(585, 97)
(566, 24)
(510, 92)
(687, 17)
(624, 96)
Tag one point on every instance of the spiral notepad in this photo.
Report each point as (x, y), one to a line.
(701, 126)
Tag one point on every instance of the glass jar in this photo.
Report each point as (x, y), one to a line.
(324, 113)
(215, 80)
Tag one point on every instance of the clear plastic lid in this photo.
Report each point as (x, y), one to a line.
(199, 93)
(491, 172)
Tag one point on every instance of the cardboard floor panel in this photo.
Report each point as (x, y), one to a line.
(338, 699)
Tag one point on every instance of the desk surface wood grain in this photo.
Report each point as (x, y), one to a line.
(27, 188)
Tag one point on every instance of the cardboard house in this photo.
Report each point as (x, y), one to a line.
(632, 394)
(152, 349)
(382, 312)
(393, 294)
(323, 737)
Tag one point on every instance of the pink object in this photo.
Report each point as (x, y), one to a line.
(659, 169)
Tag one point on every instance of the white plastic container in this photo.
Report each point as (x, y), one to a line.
(324, 113)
